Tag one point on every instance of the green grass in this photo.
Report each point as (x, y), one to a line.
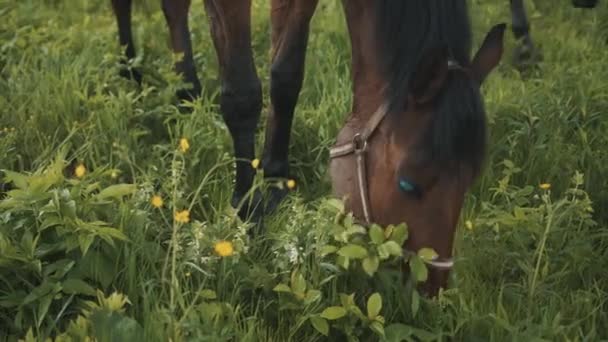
(531, 268)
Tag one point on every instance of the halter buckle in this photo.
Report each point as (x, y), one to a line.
(359, 143)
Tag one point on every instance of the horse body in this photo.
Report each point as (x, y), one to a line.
(410, 57)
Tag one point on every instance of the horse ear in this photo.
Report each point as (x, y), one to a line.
(430, 75)
(489, 54)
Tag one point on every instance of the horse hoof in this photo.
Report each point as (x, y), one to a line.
(275, 196)
(189, 95)
(584, 3)
(131, 74)
(250, 207)
(526, 56)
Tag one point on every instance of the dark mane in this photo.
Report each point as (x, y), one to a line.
(405, 30)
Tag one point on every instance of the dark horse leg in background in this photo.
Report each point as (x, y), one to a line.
(525, 53)
(241, 92)
(290, 21)
(122, 11)
(176, 14)
(584, 3)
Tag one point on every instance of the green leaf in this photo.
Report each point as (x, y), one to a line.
(328, 249)
(377, 327)
(400, 234)
(43, 307)
(335, 204)
(282, 288)
(398, 332)
(312, 296)
(111, 232)
(393, 248)
(418, 268)
(77, 286)
(427, 254)
(210, 294)
(39, 292)
(298, 283)
(50, 221)
(112, 326)
(355, 229)
(415, 302)
(376, 234)
(370, 265)
(99, 267)
(347, 300)
(343, 262)
(374, 305)
(116, 191)
(353, 251)
(383, 252)
(519, 213)
(29, 337)
(388, 231)
(84, 241)
(20, 181)
(320, 324)
(333, 312)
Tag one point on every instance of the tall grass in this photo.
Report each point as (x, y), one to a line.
(530, 261)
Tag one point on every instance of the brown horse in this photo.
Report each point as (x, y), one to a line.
(415, 139)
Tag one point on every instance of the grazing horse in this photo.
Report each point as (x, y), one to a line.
(526, 53)
(415, 139)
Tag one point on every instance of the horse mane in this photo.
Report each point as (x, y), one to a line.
(405, 30)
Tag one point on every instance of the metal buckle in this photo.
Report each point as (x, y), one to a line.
(359, 144)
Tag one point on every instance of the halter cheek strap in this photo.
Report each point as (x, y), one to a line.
(358, 146)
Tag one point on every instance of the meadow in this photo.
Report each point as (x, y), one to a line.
(118, 226)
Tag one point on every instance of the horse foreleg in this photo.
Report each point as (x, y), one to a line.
(122, 11)
(241, 92)
(176, 14)
(525, 53)
(290, 21)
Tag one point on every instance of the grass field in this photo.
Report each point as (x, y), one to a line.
(93, 257)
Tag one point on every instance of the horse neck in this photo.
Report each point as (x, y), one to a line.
(368, 85)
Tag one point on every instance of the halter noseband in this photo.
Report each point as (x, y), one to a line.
(358, 146)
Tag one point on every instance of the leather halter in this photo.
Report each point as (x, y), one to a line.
(358, 146)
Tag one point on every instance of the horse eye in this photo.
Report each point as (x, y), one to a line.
(410, 188)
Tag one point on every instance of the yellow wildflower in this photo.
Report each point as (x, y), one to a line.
(291, 184)
(188, 274)
(182, 216)
(156, 201)
(224, 248)
(255, 163)
(114, 175)
(545, 186)
(184, 145)
(80, 171)
(469, 225)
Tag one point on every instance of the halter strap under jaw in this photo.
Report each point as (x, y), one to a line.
(358, 146)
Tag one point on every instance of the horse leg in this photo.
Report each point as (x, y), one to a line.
(122, 11)
(176, 14)
(241, 92)
(584, 3)
(290, 20)
(525, 53)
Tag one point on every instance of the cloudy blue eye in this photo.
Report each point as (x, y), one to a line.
(409, 187)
